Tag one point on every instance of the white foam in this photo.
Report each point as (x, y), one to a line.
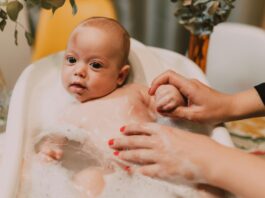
(47, 180)
(120, 185)
(53, 180)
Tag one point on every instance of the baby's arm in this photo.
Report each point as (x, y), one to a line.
(167, 98)
(51, 147)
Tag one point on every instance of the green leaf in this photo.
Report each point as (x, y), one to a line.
(2, 25)
(200, 16)
(74, 7)
(15, 35)
(29, 38)
(13, 8)
(52, 4)
(3, 14)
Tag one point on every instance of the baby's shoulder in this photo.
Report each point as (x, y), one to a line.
(137, 90)
(135, 87)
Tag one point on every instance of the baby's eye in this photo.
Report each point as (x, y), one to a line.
(95, 65)
(71, 60)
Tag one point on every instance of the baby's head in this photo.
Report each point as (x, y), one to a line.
(96, 58)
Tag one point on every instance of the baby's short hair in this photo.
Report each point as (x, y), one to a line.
(111, 25)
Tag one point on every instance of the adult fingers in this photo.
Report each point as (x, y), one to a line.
(186, 113)
(169, 77)
(146, 128)
(132, 142)
(151, 170)
(139, 156)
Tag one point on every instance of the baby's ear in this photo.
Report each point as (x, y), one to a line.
(123, 73)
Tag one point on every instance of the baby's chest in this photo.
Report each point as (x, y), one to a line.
(108, 115)
(112, 117)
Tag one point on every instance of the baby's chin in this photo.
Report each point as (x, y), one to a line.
(85, 99)
(82, 100)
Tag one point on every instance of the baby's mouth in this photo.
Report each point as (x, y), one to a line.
(77, 87)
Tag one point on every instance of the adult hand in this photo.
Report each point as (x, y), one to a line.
(165, 152)
(203, 103)
(170, 154)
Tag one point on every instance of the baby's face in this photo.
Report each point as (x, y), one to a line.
(91, 63)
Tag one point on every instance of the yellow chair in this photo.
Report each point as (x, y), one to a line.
(53, 30)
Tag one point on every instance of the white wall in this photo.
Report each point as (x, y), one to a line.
(248, 11)
(13, 59)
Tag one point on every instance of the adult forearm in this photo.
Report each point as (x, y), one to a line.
(245, 104)
(238, 172)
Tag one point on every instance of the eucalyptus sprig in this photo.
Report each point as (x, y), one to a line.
(9, 10)
(200, 16)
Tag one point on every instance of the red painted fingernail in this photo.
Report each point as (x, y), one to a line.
(116, 153)
(111, 142)
(122, 129)
(127, 168)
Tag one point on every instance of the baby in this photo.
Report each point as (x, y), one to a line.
(94, 71)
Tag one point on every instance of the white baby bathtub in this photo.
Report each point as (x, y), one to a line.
(38, 97)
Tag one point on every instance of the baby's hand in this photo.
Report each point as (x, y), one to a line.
(168, 98)
(51, 153)
(51, 150)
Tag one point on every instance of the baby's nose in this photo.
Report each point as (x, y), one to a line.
(81, 71)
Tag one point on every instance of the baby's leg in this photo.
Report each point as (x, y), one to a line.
(90, 182)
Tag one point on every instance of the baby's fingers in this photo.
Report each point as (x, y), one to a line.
(45, 158)
(58, 153)
(161, 102)
(54, 153)
(167, 104)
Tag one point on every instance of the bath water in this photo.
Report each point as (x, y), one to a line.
(54, 179)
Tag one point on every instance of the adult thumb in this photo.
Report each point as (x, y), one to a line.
(183, 112)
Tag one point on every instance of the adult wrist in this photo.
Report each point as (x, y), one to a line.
(217, 166)
(208, 162)
(246, 104)
(228, 106)
(234, 107)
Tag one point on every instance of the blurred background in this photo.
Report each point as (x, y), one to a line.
(149, 21)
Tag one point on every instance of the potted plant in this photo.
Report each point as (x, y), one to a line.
(199, 17)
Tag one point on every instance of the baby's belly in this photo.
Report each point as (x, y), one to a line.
(108, 126)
